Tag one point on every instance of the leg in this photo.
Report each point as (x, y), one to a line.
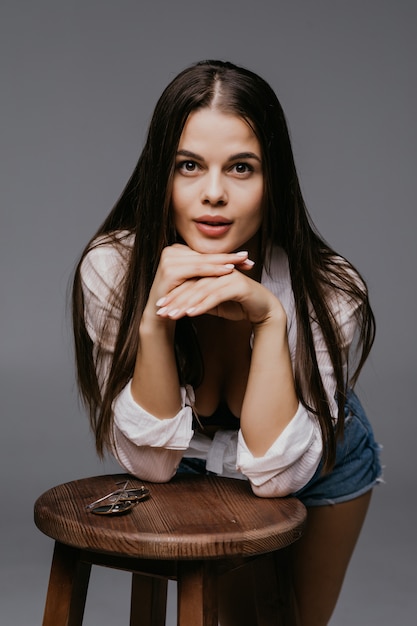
(273, 589)
(321, 557)
(67, 589)
(197, 593)
(260, 593)
(237, 605)
(148, 601)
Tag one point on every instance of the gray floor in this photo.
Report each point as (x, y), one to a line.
(380, 588)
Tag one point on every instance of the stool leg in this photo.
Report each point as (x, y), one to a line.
(274, 593)
(197, 593)
(148, 603)
(67, 589)
(284, 574)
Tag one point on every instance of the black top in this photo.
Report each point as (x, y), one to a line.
(222, 417)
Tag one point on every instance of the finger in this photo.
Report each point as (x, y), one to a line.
(234, 297)
(184, 296)
(171, 276)
(180, 264)
(182, 252)
(176, 292)
(198, 297)
(174, 272)
(246, 264)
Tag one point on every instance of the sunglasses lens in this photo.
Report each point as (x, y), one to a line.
(136, 495)
(113, 509)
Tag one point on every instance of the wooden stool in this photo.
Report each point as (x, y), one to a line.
(192, 530)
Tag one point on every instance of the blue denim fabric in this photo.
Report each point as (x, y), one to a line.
(356, 471)
(191, 465)
(357, 468)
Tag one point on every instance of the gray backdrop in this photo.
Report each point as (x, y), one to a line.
(79, 81)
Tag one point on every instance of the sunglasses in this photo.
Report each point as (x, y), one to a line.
(119, 501)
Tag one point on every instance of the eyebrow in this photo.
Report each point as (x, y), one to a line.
(233, 157)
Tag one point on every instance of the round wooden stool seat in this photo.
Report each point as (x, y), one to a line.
(191, 530)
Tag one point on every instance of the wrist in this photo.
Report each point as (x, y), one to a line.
(276, 320)
(152, 324)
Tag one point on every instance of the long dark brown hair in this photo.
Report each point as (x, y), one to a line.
(143, 210)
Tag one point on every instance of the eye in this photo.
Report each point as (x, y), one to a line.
(242, 169)
(187, 167)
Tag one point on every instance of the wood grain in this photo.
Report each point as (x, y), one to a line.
(191, 517)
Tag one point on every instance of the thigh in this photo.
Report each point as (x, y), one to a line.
(321, 557)
(318, 563)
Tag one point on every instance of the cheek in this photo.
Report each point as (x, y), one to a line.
(253, 203)
(180, 199)
(255, 213)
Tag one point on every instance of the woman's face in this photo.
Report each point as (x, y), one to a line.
(218, 183)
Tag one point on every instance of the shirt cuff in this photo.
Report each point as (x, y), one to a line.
(297, 451)
(144, 429)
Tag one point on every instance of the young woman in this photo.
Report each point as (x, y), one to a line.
(216, 331)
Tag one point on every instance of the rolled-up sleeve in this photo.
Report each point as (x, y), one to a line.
(289, 463)
(148, 447)
(144, 429)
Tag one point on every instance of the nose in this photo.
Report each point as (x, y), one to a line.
(214, 192)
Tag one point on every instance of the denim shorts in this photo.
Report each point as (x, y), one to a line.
(357, 468)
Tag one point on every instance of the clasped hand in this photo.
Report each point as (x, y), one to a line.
(189, 283)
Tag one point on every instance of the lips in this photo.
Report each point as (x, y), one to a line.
(213, 225)
(213, 220)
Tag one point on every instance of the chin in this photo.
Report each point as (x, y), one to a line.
(207, 247)
(212, 248)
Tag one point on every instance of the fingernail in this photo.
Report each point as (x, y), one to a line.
(161, 301)
(173, 312)
(190, 310)
(249, 262)
(242, 253)
(162, 311)
(230, 266)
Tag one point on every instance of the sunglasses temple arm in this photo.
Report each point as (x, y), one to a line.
(112, 493)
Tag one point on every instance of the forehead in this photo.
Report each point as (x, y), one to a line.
(210, 128)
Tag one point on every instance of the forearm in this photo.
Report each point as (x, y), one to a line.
(289, 463)
(155, 383)
(146, 462)
(270, 400)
